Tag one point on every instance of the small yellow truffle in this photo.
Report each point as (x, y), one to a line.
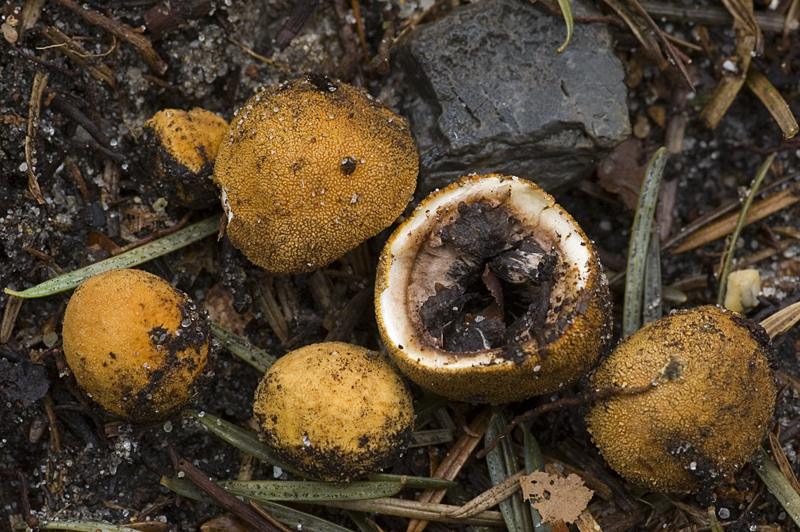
(137, 345)
(335, 411)
(310, 169)
(181, 147)
(708, 412)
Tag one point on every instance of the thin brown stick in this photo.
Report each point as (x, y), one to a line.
(39, 86)
(453, 462)
(122, 31)
(152, 236)
(227, 501)
(263, 513)
(589, 397)
(360, 29)
(709, 15)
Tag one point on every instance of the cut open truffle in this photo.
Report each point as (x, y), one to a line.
(491, 292)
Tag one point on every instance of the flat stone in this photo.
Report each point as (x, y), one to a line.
(489, 94)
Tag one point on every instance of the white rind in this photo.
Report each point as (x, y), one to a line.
(529, 204)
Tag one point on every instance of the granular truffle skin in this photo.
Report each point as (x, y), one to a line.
(180, 148)
(137, 345)
(335, 411)
(311, 168)
(710, 408)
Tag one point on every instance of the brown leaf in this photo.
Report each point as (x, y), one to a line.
(556, 498)
(621, 172)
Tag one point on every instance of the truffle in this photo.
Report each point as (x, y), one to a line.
(310, 169)
(335, 411)
(181, 147)
(137, 345)
(491, 292)
(710, 408)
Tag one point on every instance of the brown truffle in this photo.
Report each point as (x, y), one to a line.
(181, 147)
(334, 411)
(490, 292)
(137, 345)
(711, 406)
(310, 169)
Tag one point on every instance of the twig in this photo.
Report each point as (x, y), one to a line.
(122, 31)
(589, 397)
(230, 503)
(453, 463)
(709, 15)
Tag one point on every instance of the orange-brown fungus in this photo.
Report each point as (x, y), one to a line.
(707, 414)
(335, 411)
(181, 147)
(310, 169)
(136, 344)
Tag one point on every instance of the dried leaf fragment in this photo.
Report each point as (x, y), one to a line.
(556, 498)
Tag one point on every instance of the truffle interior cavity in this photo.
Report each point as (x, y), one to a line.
(483, 280)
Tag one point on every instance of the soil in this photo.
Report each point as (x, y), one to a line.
(63, 456)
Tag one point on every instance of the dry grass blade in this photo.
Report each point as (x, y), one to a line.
(39, 85)
(782, 321)
(418, 511)
(13, 305)
(641, 32)
(742, 12)
(490, 497)
(732, 80)
(674, 56)
(773, 101)
(783, 462)
(759, 210)
(453, 463)
(587, 523)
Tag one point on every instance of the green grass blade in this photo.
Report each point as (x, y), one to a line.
(78, 525)
(243, 440)
(566, 10)
(776, 483)
(310, 491)
(288, 516)
(737, 230)
(416, 482)
(497, 470)
(534, 461)
(242, 348)
(640, 238)
(134, 257)
(652, 280)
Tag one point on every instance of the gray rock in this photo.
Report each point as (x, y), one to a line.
(489, 94)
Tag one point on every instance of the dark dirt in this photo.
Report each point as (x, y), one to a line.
(61, 455)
